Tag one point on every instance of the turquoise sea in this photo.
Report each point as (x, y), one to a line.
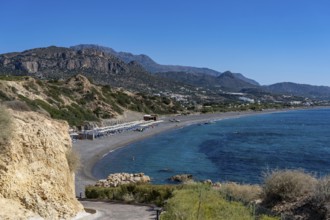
(239, 150)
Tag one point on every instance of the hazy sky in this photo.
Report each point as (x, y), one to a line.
(266, 40)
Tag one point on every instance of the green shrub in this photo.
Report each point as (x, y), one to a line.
(185, 201)
(73, 114)
(138, 193)
(287, 185)
(265, 217)
(203, 203)
(4, 97)
(109, 97)
(13, 89)
(322, 190)
(12, 78)
(30, 85)
(33, 106)
(97, 193)
(166, 100)
(243, 193)
(54, 92)
(123, 99)
(40, 83)
(6, 127)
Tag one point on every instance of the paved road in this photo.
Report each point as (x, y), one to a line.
(114, 211)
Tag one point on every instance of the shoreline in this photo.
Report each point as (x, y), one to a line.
(93, 151)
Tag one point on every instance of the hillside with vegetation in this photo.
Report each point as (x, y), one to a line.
(77, 100)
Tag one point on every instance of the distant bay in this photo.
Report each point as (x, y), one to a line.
(237, 150)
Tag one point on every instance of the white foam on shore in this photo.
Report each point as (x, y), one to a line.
(81, 215)
(107, 153)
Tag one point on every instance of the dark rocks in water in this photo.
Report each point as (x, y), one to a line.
(165, 170)
(181, 178)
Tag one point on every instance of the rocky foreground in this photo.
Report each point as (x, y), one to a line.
(118, 179)
(35, 177)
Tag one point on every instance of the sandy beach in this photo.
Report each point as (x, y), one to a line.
(92, 151)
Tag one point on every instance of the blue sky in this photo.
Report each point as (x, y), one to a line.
(267, 40)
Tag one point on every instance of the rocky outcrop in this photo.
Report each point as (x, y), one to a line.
(181, 178)
(34, 170)
(54, 61)
(147, 62)
(11, 209)
(118, 179)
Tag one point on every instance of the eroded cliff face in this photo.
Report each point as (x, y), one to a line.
(53, 62)
(34, 172)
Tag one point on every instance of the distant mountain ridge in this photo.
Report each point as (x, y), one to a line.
(153, 67)
(304, 90)
(145, 61)
(120, 69)
(226, 81)
(241, 77)
(236, 80)
(63, 63)
(104, 66)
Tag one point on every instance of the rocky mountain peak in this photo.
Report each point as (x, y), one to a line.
(147, 63)
(58, 62)
(227, 74)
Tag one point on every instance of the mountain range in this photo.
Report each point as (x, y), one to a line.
(141, 73)
(313, 92)
(63, 63)
(146, 62)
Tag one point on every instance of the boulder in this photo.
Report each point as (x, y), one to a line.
(181, 178)
(118, 179)
(208, 181)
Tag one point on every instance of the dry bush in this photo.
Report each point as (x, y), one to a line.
(5, 126)
(17, 105)
(322, 190)
(287, 185)
(244, 193)
(128, 197)
(73, 159)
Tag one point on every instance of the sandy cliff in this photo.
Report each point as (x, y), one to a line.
(35, 178)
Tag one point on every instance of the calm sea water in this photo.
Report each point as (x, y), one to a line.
(237, 150)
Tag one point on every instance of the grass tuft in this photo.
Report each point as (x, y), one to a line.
(202, 202)
(6, 127)
(244, 193)
(17, 105)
